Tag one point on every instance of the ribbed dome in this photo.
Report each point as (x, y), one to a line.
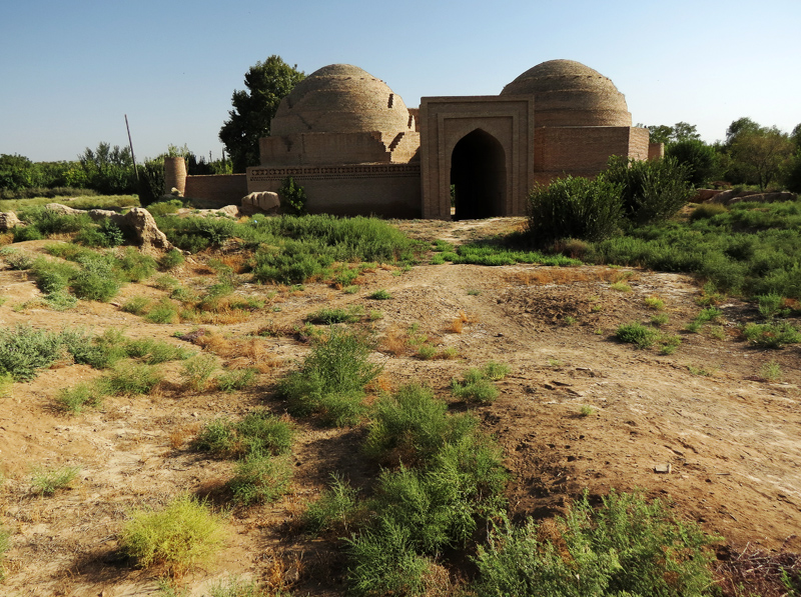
(568, 93)
(340, 98)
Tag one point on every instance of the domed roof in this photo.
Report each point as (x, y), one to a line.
(568, 93)
(340, 98)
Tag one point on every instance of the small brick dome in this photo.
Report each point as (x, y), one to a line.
(340, 98)
(568, 93)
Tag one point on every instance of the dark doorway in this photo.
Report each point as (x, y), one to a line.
(478, 177)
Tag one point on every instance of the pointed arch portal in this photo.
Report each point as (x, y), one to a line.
(478, 176)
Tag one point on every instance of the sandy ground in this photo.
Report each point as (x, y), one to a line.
(578, 412)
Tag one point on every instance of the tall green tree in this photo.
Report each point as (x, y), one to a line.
(681, 131)
(702, 160)
(267, 83)
(759, 155)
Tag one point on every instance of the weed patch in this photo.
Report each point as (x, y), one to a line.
(184, 535)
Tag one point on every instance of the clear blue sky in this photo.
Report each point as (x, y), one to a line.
(71, 70)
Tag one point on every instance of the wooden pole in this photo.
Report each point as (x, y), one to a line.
(130, 144)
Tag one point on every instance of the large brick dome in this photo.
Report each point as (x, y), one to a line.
(340, 98)
(568, 93)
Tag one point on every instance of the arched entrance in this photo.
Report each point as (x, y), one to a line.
(478, 177)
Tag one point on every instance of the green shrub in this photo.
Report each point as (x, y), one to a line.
(771, 335)
(257, 433)
(385, 562)
(626, 547)
(162, 208)
(707, 210)
(652, 190)
(197, 371)
(380, 295)
(328, 315)
(331, 380)
(234, 381)
(171, 259)
(476, 384)
(52, 276)
(637, 333)
(100, 352)
(772, 305)
(74, 399)
(134, 266)
(131, 379)
(293, 197)
(260, 478)
(60, 301)
(184, 535)
(47, 481)
(154, 352)
(411, 425)
(574, 208)
(165, 311)
(95, 281)
(136, 305)
(334, 511)
(24, 350)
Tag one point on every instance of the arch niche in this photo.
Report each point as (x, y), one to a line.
(478, 176)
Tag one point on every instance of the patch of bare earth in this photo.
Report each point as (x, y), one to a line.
(579, 412)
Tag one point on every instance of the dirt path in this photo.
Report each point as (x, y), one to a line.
(578, 412)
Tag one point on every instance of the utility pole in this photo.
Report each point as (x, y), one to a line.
(130, 144)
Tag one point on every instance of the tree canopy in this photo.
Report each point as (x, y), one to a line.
(267, 84)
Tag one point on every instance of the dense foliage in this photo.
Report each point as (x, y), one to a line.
(267, 83)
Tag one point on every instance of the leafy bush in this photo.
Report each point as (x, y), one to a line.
(131, 379)
(24, 350)
(334, 511)
(626, 547)
(411, 426)
(293, 197)
(331, 380)
(771, 335)
(95, 281)
(574, 208)
(652, 190)
(171, 259)
(384, 561)
(184, 535)
(380, 295)
(134, 266)
(328, 315)
(77, 397)
(260, 478)
(637, 333)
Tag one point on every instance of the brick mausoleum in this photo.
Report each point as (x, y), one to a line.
(356, 148)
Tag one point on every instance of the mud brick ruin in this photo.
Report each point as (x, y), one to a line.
(355, 147)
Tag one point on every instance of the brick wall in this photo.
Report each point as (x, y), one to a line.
(218, 189)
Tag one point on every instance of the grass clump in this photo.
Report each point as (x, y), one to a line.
(332, 378)
(476, 384)
(184, 535)
(257, 433)
(626, 547)
(637, 333)
(130, 379)
(74, 399)
(48, 481)
(329, 316)
(234, 381)
(260, 478)
(196, 372)
(380, 295)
